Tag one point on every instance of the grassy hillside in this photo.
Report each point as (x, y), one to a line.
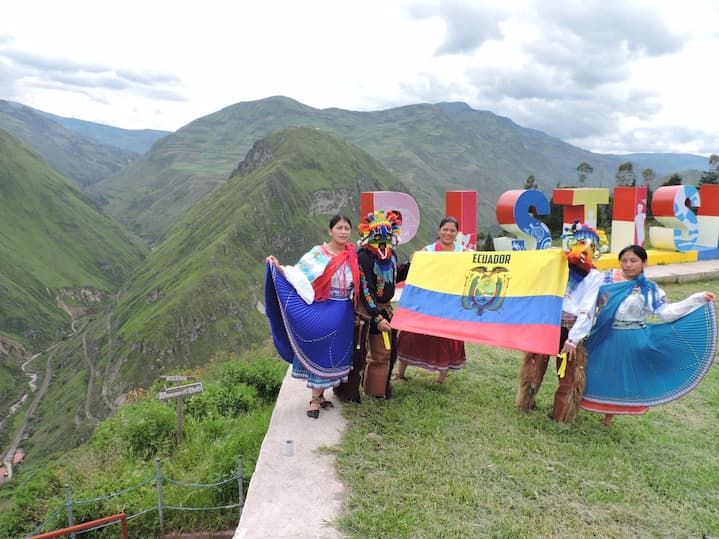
(451, 460)
(430, 148)
(137, 141)
(201, 290)
(226, 421)
(51, 237)
(75, 156)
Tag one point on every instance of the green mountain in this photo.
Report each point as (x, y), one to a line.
(201, 290)
(52, 237)
(61, 257)
(137, 141)
(72, 154)
(665, 164)
(430, 148)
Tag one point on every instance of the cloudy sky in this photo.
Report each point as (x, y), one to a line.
(609, 76)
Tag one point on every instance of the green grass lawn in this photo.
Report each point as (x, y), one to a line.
(458, 460)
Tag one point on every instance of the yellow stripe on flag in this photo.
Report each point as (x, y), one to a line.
(528, 273)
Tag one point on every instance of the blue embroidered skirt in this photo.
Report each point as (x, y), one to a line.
(637, 366)
(317, 338)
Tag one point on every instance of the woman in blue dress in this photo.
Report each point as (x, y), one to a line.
(635, 364)
(310, 307)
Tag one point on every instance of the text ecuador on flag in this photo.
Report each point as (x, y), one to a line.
(510, 299)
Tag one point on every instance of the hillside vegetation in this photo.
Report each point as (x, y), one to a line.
(202, 289)
(224, 423)
(429, 148)
(74, 155)
(52, 237)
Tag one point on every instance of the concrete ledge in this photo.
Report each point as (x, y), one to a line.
(655, 258)
(686, 277)
(295, 496)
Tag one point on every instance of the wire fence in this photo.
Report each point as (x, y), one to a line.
(158, 479)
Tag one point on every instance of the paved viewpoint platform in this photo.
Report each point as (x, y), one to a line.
(681, 273)
(298, 496)
(294, 492)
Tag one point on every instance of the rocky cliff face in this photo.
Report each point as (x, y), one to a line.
(261, 153)
(77, 302)
(12, 348)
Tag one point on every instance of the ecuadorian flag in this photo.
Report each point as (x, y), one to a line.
(510, 299)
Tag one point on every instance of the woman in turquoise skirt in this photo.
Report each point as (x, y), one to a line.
(634, 364)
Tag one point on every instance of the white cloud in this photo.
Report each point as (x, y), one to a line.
(606, 76)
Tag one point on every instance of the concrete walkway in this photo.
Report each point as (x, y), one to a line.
(295, 495)
(683, 273)
(298, 496)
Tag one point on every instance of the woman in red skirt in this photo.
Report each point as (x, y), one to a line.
(436, 354)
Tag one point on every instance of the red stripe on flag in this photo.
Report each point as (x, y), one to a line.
(537, 338)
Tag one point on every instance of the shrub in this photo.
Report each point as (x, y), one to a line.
(148, 429)
(265, 374)
(224, 399)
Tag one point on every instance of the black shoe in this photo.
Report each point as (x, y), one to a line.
(314, 414)
(326, 405)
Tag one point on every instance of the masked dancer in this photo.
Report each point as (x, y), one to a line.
(578, 305)
(379, 273)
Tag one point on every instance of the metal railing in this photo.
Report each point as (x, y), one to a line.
(159, 478)
(88, 526)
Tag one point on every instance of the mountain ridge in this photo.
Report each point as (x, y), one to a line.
(60, 257)
(71, 154)
(201, 290)
(431, 148)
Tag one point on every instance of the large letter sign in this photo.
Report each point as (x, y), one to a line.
(682, 229)
(513, 215)
(671, 207)
(391, 200)
(580, 204)
(462, 205)
(629, 215)
(709, 216)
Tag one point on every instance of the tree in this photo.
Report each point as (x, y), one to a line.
(488, 243)
(648, 176)
(711, 175)
(584, 169)
(674, 179)
(625, 175)
(530, 183)
(554, 219)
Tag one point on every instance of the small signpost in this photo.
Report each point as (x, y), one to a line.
(178, 392)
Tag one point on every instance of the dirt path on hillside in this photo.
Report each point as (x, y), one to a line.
(91, 380)
(32, 382)
(17, 438)
(31, 411)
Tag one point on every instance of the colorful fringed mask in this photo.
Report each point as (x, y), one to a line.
(584, 244)
(379, 231)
